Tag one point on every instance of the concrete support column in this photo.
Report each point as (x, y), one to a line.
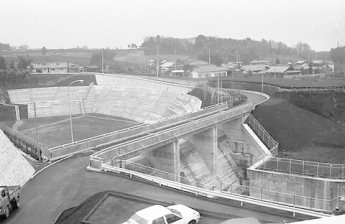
(177, 161)
(214, 149)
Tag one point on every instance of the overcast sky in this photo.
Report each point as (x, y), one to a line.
(116, 23)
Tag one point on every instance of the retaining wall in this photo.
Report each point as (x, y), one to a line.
(311, 192)
(139, 82)
(140, 104)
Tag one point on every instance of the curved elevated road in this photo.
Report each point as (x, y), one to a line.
(68, 183)
(255, 98)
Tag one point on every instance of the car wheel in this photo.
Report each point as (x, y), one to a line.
(7, 212)
(17, 205)
(192, 222)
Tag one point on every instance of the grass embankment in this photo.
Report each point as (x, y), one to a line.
(302, 82)
(306, 126)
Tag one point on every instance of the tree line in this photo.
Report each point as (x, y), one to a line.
(226, 49)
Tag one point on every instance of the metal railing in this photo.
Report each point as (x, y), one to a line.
(305, 168)
(123, 134)
(171, 133)
(295, 203)
(264, 136)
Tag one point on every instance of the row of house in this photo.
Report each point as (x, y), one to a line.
(61, 68)
(192, 69)
(298, 68)
(200, 69)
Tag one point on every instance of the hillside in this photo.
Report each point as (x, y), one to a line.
(228, 49)
(308, 129)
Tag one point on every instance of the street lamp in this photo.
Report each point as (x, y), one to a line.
(262, 82)
(69, 107)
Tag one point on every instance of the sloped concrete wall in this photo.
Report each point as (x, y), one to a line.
(51, 101)
(140, 104)
(254, 145)
(138, 82)
(14, 168)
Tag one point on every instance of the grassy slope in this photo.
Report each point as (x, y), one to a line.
(288, 83)
(304, 134)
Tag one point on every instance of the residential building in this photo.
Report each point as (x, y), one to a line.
(233, 65)
(281, 70)
(254, 69)
(91, 68)
(55, 68)
(169, 66)
(206, 71)
(330, 65)
(178, 73)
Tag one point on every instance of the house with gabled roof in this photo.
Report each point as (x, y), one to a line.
(206, 71)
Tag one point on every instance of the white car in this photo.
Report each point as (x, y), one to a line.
(158, 214)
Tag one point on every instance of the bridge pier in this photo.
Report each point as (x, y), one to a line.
(177, 160)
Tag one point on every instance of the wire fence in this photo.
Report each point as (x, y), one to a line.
(264, 136)
(305, 168)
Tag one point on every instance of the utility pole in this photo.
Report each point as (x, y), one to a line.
(218, 89)
(275, 68)
(175, 60)
(102, 62)
(157, 65)
(237, 60)
(209, 56)
(262, 82)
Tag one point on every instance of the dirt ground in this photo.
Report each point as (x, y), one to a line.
(84, 126)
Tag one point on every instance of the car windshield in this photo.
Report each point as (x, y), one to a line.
(138, 219)
(176, 212)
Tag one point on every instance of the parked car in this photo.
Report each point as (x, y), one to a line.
(158, 214)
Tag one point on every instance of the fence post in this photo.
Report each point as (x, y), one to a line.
(290, 167)
(294, 200)
(261, 194)
(330, 170)
(317, 169)
(342, 171)
(277, 164)
(262, 130)
(303, 168)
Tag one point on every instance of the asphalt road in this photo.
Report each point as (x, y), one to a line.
(253, 97)
(68, 183)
